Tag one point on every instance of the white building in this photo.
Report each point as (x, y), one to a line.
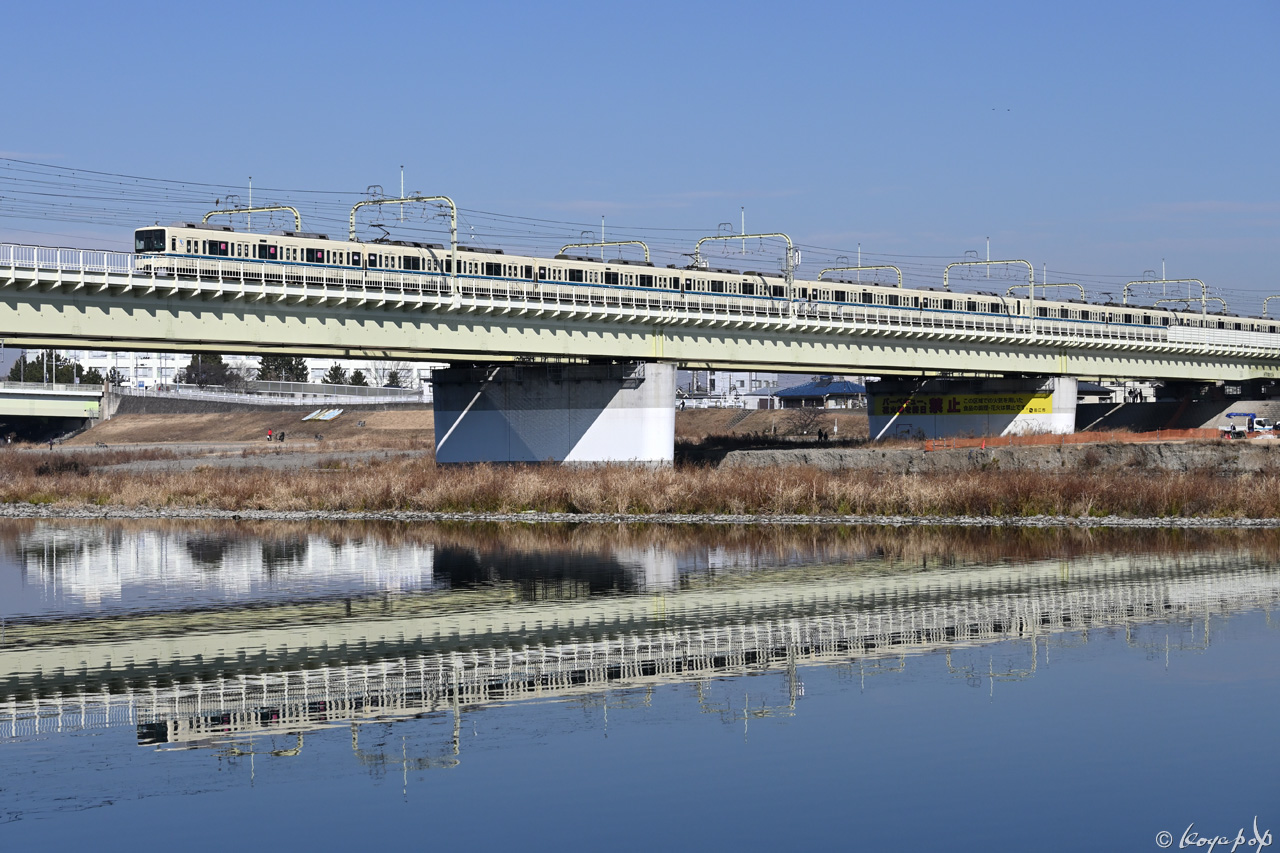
(147, 369)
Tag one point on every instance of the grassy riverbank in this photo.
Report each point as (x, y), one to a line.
(390, 484)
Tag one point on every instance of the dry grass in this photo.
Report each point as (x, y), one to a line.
(419, 484)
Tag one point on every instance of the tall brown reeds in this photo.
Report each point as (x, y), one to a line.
(418, 484)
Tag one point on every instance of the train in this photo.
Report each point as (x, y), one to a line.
(317, 256)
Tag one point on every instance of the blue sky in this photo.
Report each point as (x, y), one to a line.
(1096, 138)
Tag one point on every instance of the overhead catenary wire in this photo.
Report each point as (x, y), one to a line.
(32, 192)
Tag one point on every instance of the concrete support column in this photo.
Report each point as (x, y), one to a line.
(556, 413)
(941, 408)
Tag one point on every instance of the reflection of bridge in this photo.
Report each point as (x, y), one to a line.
(208, 685)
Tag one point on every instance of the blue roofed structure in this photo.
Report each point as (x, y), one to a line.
(825, 392)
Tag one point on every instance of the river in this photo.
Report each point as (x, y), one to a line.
(215, 685)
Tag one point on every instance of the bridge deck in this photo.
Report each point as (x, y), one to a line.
(66, 298)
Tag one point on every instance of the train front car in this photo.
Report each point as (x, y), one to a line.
(148, 242)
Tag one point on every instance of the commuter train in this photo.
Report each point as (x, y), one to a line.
(316, 255)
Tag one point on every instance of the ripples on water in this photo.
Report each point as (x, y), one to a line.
(184, 666)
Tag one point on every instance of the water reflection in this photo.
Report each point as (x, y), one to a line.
(373, 624)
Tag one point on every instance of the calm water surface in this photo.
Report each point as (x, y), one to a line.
(238, 686)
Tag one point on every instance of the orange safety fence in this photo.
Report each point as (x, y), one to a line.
(1072, 438)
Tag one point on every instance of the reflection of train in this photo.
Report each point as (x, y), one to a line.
(420, 267)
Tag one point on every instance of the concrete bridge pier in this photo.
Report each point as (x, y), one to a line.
(941, 408)
(556, 412)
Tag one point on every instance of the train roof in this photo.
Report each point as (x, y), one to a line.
(199, 226)
(308, 234)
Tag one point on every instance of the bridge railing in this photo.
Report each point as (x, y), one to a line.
(51, 388)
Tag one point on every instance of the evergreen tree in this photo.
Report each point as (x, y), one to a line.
(393, 380)
(114, 377)
(337, 375)
(283, 368)
(357, 378)
(48, 367)
(206, 369)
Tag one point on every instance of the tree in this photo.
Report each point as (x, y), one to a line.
(206, 369)
(114, 377)
(393, 380)
(52, 368)
(357, 378)
(283, 368)
(337, 375)
(382, 371)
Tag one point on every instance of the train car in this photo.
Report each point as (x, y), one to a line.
(423, 267)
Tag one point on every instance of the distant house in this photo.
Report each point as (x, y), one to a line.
(1092, 392)
(826, 392)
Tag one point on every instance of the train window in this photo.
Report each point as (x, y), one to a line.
(892, 299)
(1084, 315)
(610, 277)
(748, 289)
(576, 275)
(839, 295)
(1128, 318)
(492, 269)
(219, 248)
(315, 256)
(355, 259)
(413, 263)
(173, 244)
(151, 240)
(542, 273)
(717, 286)
(647, 280)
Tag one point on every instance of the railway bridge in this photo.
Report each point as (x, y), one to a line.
(568, 371)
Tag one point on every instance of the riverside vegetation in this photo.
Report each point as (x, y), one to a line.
(418, 484)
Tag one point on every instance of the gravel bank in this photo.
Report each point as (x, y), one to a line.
(53, 511)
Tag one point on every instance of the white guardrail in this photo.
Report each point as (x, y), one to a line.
(259, 280)
(259, 399)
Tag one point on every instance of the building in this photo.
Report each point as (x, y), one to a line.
(824, 392)
(147, 370)
(723, 388)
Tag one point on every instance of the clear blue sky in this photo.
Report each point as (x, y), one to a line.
(1098, 138)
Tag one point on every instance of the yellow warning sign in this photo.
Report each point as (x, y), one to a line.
(1038, 403)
